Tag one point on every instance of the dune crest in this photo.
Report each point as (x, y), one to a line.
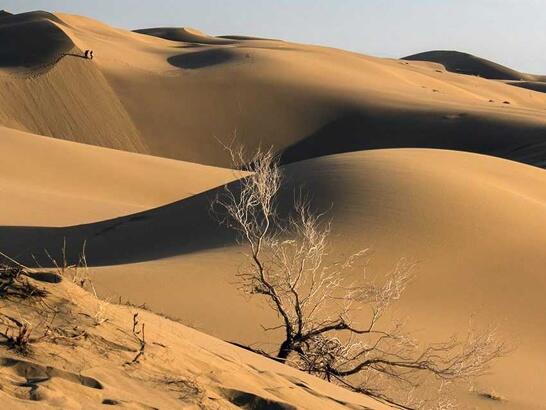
(437, 158)
(183, 34)
(467, 218)
(304, 100)
(31, 40)
(465, 63)
(51, 182)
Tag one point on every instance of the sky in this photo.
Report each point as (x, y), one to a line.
(510, 32)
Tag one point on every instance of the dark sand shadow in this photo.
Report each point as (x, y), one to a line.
(31, 39)
(175, 229)
(205, 58)
(376, 129)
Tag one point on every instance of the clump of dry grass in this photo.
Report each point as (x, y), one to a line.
(14, 283)
(186, 387)
(78, 272)
(17, 334)
(491, 396)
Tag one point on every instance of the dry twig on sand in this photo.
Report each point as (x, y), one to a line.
(138, 333)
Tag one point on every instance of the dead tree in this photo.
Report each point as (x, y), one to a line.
(332, 325)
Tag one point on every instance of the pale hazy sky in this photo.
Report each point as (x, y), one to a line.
(511, 32)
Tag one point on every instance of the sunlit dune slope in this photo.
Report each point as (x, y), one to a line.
(47, 87)
(49, 182)
(83, 362)
(191, 35)
(174, 99)
(184, 34)
(474, 223)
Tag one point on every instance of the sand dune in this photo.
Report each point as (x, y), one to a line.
(49, 182)
(465, 63)
(30, 40)
(162, 96)
(86, 364)
(470, 220)
(303, 99)
(183, 34)
(539, 86)
(191, 35)
(69, 100)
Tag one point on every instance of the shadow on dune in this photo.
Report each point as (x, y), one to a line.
(538, 86)
(216, 56)
(375, 129)
(205, 58)
(464, 63)
(181, 227)
(31, 39)
(238, 37)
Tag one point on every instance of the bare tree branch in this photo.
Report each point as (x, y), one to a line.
(319, 304)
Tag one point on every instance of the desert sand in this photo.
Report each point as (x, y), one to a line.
(86, 363)
(306, 100)
(418, 197)
(57, 183)
(436, 158)
(465, 63)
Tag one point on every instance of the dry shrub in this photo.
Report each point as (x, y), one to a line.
(333, 326)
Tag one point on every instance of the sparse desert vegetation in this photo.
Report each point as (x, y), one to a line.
(331, 310)
(54, 352)
(385, 251)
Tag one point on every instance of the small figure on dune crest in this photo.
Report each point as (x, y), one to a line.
(88, 54)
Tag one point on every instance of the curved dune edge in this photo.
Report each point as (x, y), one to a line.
(465, 63)
(469, 219)
(539, 86)
(183, 34)
(50, 182)
(31, 41)
(304, 100)
(475, 223)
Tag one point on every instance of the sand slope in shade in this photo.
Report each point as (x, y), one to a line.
(31, 40)
(539, 86)
(70, 100)
(465, 63)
